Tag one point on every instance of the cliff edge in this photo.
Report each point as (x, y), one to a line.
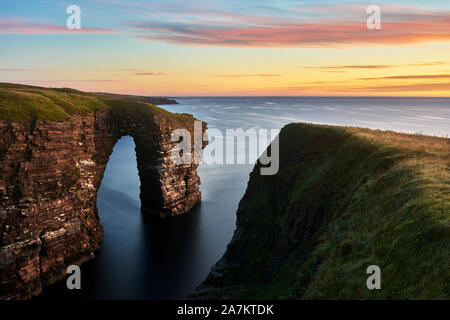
(54, 147)
(343, 199)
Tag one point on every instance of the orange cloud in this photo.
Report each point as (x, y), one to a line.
(338, 68)
(246, 75)
(341, 89)
(149, 74)
(403, 77)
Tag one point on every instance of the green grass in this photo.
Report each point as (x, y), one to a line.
(21, 102)
(344, 199)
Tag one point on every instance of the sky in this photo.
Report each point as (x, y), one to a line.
(229, 47)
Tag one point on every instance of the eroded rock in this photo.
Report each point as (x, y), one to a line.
(50, 172)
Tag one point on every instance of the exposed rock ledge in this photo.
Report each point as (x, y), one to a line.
(50, 172)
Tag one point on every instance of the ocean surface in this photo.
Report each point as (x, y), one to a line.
(149, 258)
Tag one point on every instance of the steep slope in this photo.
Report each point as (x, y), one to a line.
(343, 199)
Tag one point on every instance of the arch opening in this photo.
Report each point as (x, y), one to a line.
(142, 256)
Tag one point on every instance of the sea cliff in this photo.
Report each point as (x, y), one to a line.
(54, 147)
(344, 199)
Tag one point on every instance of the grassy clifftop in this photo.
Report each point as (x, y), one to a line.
(343, 199)
(152, 100)
(21, 102)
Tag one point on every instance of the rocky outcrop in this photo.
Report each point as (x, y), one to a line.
(50, 172)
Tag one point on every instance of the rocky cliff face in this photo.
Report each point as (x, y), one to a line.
(50, 172)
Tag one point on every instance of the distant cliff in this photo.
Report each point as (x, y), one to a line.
(343, 199)
(54, 147)
(152, 100)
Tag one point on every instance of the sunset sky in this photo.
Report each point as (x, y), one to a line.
(232, 47)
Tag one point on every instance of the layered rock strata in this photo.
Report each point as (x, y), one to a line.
(50, 172)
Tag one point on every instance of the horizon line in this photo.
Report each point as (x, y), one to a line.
(239, 96)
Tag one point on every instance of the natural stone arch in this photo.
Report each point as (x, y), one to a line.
(166, 189)
(48, 194)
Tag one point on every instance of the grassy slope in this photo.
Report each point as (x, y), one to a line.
(151, 100)
(20, 102)
(344, 199)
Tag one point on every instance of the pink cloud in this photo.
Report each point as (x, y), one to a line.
(150, 74)
(301, 35)
(331, 26)
(19, 26)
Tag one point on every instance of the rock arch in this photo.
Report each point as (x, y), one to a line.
(49, 177)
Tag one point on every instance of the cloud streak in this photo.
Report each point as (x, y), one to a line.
(137, 72)
(26, 70)
(333, 27)
(344, 67)
(149, 74)
(257, 75)
(20, 26)
(379, 89)
(406, 77)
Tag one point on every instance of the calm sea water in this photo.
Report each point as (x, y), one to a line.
(148, 258)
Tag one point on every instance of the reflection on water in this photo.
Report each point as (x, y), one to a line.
(149, 258)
